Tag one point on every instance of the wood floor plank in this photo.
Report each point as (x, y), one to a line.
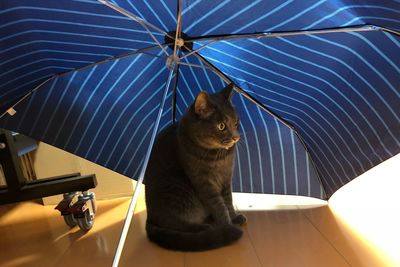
(286, 238)
(36, 235)
(96, 247)
(356, 251)
(25, 225)
(139, 251)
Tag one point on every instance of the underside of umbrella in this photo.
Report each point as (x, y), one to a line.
(318, 84)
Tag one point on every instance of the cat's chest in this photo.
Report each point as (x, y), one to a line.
(211, 161)
(218, 164)
(219, 169)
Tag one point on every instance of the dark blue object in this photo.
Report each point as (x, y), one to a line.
(318, 82)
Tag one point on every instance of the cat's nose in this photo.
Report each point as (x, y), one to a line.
(235, 138)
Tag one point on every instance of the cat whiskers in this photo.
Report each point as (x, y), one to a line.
(223, 153)
(240, 144)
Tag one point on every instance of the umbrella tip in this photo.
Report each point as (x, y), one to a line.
(11, 111)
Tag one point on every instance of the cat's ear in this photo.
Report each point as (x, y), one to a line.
(227, 91)
(202, 105)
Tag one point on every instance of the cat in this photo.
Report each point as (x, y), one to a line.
(189, 178)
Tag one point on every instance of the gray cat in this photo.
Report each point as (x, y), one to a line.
(189, 176)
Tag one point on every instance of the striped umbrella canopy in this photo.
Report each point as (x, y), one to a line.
(317, 82)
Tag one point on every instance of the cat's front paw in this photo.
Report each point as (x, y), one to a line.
(240, 219)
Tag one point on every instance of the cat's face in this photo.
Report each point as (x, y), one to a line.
(216, 123)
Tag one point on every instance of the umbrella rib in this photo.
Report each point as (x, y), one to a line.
(27, 95)
(139, 20)
(110, 59)
(140, 51)
(358, 28)
(311, 160)
(174, 94)
(264, 108)
(192, 65)
(242, 92)
(175, 65)
(394, 32)
(198, 49)
(215, 39)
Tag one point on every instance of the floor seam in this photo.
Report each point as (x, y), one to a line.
(252, 245)
(324, 236)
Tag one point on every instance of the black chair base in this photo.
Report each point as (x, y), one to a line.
(48, 187)
(18, 189)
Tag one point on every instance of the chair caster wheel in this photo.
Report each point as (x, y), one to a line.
(78, 209)
(70, 220)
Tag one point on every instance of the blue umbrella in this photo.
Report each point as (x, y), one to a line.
(317, 82)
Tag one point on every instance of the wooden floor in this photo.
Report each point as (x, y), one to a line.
(277, 234)
(34, 235)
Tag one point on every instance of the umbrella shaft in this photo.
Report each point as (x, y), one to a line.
(139, 183)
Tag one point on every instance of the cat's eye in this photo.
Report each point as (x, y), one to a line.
(236, 123)
(221, 126)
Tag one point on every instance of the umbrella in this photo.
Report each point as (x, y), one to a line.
(317, 82)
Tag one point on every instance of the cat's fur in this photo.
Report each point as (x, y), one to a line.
(188, 179)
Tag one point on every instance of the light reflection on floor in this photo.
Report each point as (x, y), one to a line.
(370, 206)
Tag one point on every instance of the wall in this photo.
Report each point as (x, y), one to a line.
(50, 161)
